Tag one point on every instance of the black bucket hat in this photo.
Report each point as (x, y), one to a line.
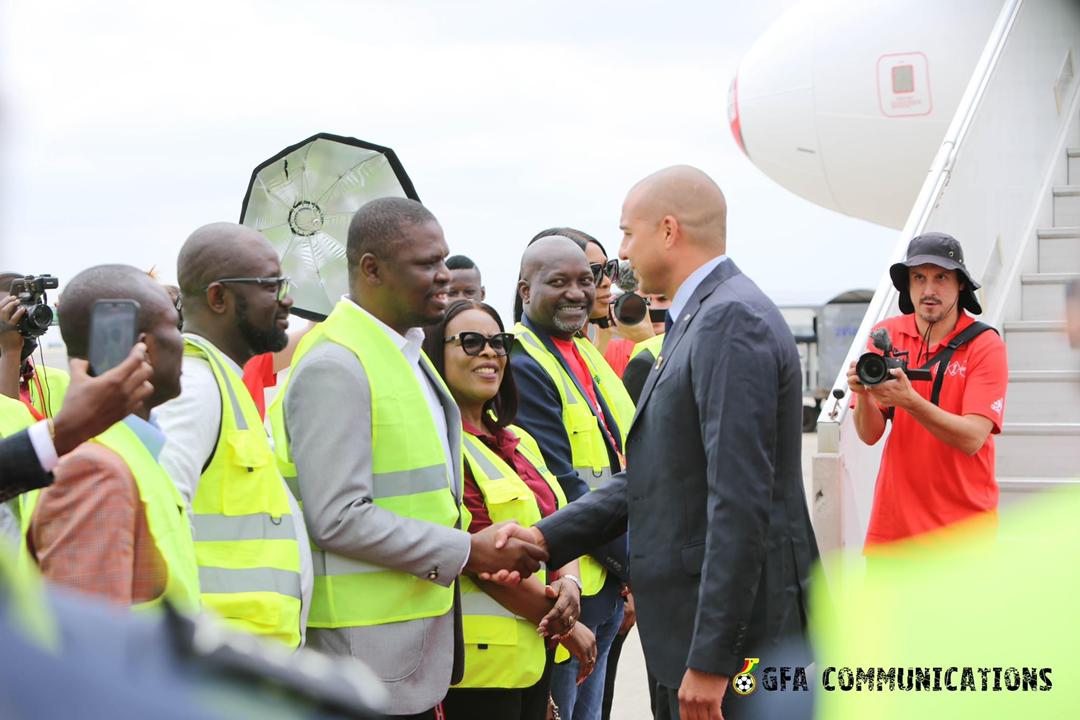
(939, 249)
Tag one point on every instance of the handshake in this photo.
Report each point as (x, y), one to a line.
(506, 553)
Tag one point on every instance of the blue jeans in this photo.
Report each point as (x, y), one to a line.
(603, 614)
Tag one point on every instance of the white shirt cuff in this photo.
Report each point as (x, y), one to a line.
(43, 445)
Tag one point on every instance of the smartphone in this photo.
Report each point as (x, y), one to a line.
(113, 329)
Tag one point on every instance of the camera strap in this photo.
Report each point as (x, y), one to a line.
(944, 356)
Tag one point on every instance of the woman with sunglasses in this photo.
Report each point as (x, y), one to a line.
(507, 664)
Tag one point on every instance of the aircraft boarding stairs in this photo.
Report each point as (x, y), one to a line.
(1039, 446)
(1006, 183)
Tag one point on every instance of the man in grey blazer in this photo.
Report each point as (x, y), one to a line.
(720, 538)
(397, 279)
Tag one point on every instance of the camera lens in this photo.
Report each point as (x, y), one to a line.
(872, 369)
(36, 321)
(630, 308)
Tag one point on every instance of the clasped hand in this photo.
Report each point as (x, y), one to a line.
(504, 553)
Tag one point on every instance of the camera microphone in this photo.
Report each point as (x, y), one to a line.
(627, 280)
(882, 341)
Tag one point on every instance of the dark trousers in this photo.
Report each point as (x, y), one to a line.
(609, 679)
(529, 703)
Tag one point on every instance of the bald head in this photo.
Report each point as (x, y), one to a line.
(548, 250)
(114, 282)
(688, 195)
(219, 250)
(556, 288)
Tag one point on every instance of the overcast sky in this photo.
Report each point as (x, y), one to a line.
(129, 124)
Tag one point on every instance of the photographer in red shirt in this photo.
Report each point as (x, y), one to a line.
(937, 467)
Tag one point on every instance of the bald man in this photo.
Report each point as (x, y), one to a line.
(112, 524)
(720, 537)
(254, 558)
(576, 408)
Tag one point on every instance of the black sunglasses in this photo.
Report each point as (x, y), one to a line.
(283, 284)
(473, 342)
(599, 270)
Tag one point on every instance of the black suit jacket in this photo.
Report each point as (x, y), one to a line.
(20, 469)
(540, 413)
(720, 538)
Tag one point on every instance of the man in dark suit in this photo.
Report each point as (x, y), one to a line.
(720, 538)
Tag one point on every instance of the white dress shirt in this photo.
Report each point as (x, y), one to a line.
(689, 285)
(191, 423)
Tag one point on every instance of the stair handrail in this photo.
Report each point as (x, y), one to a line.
(883, 303)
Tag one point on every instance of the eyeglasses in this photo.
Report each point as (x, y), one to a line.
(473, 342)
(599, 270)
(284, 284)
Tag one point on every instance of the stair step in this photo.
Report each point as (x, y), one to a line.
(1049, 450)
(1046, 396)
(1073, 155)
(1059, 249)
(1066, 205)
(1039, 345)
(1043, 295)
(1017, 489)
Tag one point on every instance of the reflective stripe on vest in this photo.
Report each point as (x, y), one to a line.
(166, 517)
(245, 535)
(410, 478)
(502, 650)
(588, 446)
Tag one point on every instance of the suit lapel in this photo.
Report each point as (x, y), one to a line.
(453, 423)
(679, 328)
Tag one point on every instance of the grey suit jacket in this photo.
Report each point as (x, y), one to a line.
(328, 422)
(720, 537)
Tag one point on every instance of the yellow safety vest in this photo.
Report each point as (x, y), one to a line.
(166, 516)
(652, 345)
(245, 534)
(14, 416)
(24, 599)
(502, 650)
(47, 389)
(411, 479)
(588, 446)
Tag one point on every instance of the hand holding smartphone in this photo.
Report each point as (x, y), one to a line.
(113, 331)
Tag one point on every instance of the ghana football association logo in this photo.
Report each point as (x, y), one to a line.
(744, 683)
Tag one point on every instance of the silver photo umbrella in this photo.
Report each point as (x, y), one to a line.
(302, 200)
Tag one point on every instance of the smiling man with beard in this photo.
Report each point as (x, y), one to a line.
(578, 410)
(252, 545)
(373, 439)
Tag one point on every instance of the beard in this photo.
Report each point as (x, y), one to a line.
(565, 324)
(260, 340)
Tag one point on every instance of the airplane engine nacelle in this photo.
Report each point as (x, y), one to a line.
(845, 102)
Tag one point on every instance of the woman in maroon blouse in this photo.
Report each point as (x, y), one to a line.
(469, 349)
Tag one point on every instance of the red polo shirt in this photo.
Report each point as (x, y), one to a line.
(924, 484)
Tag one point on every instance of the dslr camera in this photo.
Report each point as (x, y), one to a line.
(31, 293)
(873, 369)
(629, 307)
